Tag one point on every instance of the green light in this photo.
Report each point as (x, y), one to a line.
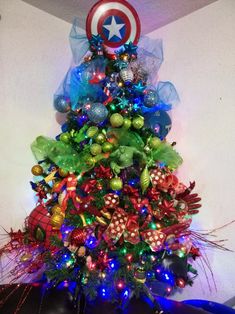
(124, 250)
(180, 254)
(89, 221)
(153, 226)
(113, 107)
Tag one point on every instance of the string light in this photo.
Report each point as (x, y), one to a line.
(129, 257)
(120, 285)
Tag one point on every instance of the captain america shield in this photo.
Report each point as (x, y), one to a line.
(117, 22)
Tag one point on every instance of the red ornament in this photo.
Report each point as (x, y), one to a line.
(180, 282)
(77, 237)
(39, 225)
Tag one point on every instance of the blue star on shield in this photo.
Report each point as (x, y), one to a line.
(114, 28)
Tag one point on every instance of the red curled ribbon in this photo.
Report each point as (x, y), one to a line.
(89, 185)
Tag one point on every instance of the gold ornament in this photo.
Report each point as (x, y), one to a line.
(63, 173)
(57, 221)
(144, 179)
(56, 209)
(37, 170)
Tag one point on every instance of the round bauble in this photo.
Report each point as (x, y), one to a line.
(57, 221)
(159, 122)
(100, 138)
(61, 104)
(92, 131)
(116, 184)
(126, 123)
(63, 173)
(154, 142)
(150, 97)
(65, 137)
(77, 237)
(116, 120)
(37, 170)
(127, 75)
(90, 161)
(138, 122)
(56, 209)
(97, 113)
(95, 149)
(107, 147)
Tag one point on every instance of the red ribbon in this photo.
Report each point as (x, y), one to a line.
(167, 207)
(131, 191)
(89, 186)
(153, 194)
(132, 223)
(139, 203)
(103, 172)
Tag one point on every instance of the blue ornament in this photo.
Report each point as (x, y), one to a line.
(61, 104)
(150, 97)
(96, 112)
(159, 122)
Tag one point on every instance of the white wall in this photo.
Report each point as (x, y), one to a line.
(199, 59)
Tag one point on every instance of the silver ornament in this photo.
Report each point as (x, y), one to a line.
(150, 97)
(97, 113)
(126, 75)
(61, 104)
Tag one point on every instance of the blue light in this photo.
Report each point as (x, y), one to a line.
(144, 210)
(149, 274)
(103, 292)
(114, 265)
(126, 293)
(167, 277)
(91, 242)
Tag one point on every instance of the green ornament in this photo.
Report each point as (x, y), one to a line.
(138, 122)
(90, 161)
(144, 179)
(100, 138)
(107, 147)
(116, 120)
(154, 142)
(39, 234)
(116, 184)
(126, 123)
(65, 137)
(95, 149)
(92, 131)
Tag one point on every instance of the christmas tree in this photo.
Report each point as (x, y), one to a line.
(112, 216)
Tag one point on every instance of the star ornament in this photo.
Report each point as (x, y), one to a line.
(114, 29)
(131, 49)
(139, 87)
